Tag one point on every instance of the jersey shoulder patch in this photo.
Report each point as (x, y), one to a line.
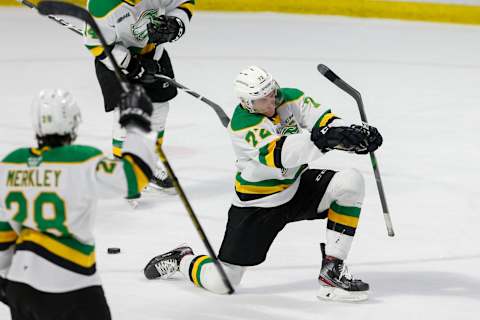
(100, 8)
(242, 119)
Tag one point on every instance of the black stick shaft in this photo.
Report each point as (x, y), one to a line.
(339, 82)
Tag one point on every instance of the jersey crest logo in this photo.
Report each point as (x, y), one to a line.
(289, 126)
(139, 28)
(33, 162)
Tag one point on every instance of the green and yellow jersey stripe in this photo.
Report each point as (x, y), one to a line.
(7, 235)
(325, 119)
(271, 154)
(246, 189)
(137, 179)
(65, 252)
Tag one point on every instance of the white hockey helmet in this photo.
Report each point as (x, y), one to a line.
(253, 83)
(55, 113)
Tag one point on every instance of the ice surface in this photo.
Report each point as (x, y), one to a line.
(420, 83)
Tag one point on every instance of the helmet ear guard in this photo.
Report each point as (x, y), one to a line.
(251, 84)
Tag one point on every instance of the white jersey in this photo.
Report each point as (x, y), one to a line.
(272, 153)
(48, 200)
(124, 23)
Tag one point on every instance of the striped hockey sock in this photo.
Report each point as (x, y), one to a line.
(195, 269)
(341, 226)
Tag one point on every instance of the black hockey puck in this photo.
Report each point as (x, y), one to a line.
(113, 250)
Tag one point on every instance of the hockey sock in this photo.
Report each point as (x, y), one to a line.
(192, 266)
(341, 226)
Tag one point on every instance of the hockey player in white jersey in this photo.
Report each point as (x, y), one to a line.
(275, 133)
(137, 31)
(48, 198)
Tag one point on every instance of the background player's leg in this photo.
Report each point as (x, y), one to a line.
(160, 178)
(118, 135)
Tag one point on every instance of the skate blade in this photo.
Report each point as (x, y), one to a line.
(153, 187)
(133, 203)
(329, 293)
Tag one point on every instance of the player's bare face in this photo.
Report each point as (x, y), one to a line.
(266, 105)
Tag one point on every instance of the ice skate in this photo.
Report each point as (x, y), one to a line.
(337, 284)
(162, 182)
(166, 265)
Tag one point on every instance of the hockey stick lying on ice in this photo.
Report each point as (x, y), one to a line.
(62, 8)
(218, 110)
(339, 82)
(56, 19)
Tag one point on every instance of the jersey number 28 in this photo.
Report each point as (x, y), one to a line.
(54, 224)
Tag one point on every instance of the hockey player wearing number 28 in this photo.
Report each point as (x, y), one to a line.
(137, 31)
(275, 133)
(48, 198)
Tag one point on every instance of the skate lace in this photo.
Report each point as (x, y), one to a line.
(161, 174)
(344, 272)
(166, 268)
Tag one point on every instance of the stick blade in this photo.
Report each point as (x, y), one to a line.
(323, 68)
(63, 8)
(327, 73)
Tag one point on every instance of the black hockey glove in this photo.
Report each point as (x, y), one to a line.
(372, 141)
(135, 108)
(165, 29)
(143, 69)
(359, 139)
(340, 138)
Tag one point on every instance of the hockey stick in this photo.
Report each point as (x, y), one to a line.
(62, 8)
(339, 82)
(56, 19)
(218, 110)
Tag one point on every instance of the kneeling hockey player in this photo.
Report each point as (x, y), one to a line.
(275, 132)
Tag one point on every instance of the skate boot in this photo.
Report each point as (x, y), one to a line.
(165, 265)
(161, 181)
(337, 284)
